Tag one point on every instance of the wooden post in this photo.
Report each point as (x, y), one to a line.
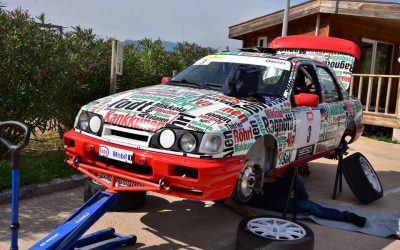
(174, 72)
(113, 76)
(389, 89)
(378, 95)
(368, 103)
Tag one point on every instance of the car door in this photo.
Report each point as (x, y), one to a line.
(308, 118)
(333, 115)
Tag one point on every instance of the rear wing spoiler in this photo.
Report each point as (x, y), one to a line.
(339, 54)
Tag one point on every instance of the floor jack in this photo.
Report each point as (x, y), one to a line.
(69, 234)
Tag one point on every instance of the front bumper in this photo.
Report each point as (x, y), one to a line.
(181, 176)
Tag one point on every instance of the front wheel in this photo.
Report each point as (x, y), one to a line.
(246, 183)
(362, 178)
(262, 232)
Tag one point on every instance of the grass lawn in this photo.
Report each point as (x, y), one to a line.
(37, 168)
(41, 161)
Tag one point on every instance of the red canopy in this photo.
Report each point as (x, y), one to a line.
(317, 43)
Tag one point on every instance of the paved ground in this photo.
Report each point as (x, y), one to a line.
(170, 223)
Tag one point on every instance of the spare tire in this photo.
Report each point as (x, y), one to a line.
(266, 232)
(362, 178)
(126, 201)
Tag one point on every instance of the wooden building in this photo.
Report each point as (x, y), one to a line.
(374, 26)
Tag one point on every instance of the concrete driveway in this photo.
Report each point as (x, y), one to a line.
(171, 223)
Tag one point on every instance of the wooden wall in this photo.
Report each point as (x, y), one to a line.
(304, 25)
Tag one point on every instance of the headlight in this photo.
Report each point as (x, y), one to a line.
(95, 124)
(211, 144)
(167, 138)
(83, 121)
(188, 142)
(89, 122)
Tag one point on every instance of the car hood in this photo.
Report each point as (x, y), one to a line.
(155, 107)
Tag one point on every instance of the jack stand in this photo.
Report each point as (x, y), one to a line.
(337, 189)
(67, 236)
(293, 187)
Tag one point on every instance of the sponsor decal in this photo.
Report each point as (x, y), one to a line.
(282, 124)
(132, 121)
(214, 117)
(130, 105)
(290, 139)
(235, 125)
(320, 148)
(274, 113)
(229, 149)
(236, 113)
(240, 135)
(243, 147)
(198, 126)
(203, 103)
(304, 152)
(310, 117)
(284, 157)
(115, 153)
(119, 182)
(183, 119)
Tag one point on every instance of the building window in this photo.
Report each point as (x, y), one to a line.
(262, 42)
(376, 57)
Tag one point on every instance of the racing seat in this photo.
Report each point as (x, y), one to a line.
(243, 82)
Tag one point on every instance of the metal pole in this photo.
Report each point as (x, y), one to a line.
(318, 24)
(285, 18)
(113, 75)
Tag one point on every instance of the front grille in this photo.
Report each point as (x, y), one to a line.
(129, 135)
(130, 167)
(126, 136)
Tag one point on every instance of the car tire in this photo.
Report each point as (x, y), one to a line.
(278, 234)
(362, 178)
(246, 183)
(126, 201)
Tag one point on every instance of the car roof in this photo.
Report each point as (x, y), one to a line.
(255, 54)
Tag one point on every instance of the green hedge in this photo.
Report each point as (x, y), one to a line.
(45, 76)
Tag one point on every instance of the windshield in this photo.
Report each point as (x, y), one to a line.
(262, 79)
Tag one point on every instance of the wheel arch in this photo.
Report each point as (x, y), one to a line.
(263, 152)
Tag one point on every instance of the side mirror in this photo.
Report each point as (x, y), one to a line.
(306, 99)
(165, 79)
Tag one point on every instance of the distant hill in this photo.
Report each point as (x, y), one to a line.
(168, 46)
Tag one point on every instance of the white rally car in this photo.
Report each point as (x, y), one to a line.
(215, 129)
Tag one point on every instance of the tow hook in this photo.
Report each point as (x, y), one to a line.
(162, 184)
(75, 160)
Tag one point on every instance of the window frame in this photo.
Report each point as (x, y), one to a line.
(335, 83)
(265, 41)
(315, 80)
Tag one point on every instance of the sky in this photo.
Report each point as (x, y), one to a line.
(205, 22)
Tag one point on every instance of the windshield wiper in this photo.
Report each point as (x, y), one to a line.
(211, 85)
(185, 82)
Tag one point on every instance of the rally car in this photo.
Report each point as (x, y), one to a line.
(215, 129)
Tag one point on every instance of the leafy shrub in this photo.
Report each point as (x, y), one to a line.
(45, 76)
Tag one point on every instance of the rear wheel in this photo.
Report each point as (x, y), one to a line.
(126, 201)
(246, 183)
(263, 232)
(362, 178)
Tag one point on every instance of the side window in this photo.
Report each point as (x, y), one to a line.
(328, 85)
(306, 81)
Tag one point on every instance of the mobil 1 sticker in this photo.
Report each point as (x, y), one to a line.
(116, 153)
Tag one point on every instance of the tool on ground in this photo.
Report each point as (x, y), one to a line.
(69, 234)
